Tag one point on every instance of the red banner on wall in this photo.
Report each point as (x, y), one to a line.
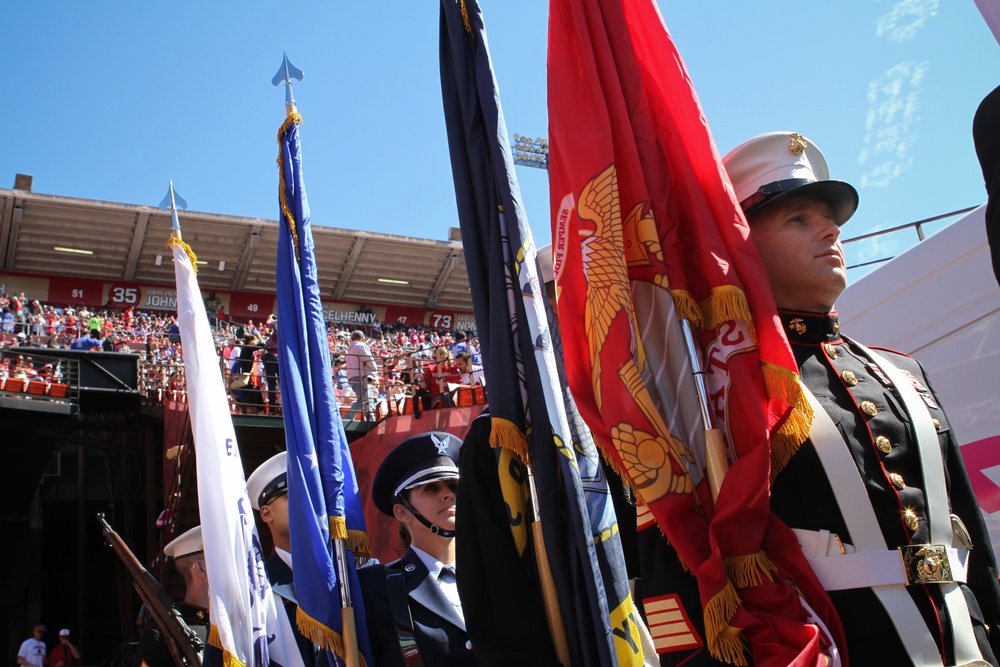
(76, 291)
(251, 306)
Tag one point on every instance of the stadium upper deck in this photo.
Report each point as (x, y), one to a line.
(122, 245)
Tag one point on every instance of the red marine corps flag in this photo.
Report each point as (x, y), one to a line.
(646, 230)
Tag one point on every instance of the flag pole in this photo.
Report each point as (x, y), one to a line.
(349, 630)
(349, 634)
(550, 597)
(716, 458)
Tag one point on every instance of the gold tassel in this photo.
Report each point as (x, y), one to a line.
(724, 641)
(292, 119)
(465, 16)
(319, 634)
(338, 528)
(687, 307)
(173, 240)
(727, 303)
(730, 647)
(504, 433)
(357, 541)
(746, 571)
(786, 386)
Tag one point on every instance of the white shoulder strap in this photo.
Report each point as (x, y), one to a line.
(855, 506)
(936, 497)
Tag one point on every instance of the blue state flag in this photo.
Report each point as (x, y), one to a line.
(324, 502)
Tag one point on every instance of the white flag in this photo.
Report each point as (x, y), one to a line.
(247, 622)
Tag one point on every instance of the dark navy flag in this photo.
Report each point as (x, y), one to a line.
(322, 489)
(526, 403)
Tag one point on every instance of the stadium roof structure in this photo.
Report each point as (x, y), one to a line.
(127, 242)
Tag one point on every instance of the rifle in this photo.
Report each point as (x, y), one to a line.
(185, 646)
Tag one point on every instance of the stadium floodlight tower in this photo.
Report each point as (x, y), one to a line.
(530, 152)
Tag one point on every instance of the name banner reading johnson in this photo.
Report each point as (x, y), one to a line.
(62, 291)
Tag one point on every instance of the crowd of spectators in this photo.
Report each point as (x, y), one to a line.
(381, 371)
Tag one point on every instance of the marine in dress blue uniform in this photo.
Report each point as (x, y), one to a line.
(881, 411)
(416, 485)
(187, 552)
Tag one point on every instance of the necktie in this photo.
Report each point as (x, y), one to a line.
(449, 586)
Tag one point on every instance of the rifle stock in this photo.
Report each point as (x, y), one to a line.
(185, 646)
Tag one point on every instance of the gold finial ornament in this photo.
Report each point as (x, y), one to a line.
(797, 144)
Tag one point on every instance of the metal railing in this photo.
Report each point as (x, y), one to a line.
(397, 386)
(29, 373)
(917, 226)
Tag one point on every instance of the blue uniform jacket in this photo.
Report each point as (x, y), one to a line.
(440, 638)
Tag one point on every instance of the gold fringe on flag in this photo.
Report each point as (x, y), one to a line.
(687, 307)
(292, 119)
(746, 571)
(724, 641)
(726, 303)
(321, 635)
(731, 646)
(786, 386)
(173, 240)
(465, 16)
(506, 434)
(228, 659)
(357, 541)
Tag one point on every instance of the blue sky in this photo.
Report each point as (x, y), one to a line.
(110, 100)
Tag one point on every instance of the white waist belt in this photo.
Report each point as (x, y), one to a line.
(916, 564)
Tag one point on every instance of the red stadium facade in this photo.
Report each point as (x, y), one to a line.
(61, 291)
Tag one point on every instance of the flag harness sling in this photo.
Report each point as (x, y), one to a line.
(841, 571)
(399, 605)
(395, 587)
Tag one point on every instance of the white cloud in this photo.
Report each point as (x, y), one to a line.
(893, 112)
(903, 21)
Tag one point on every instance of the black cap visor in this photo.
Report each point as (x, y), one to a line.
(841, 197)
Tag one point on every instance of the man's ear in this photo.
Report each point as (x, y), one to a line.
(265, 514)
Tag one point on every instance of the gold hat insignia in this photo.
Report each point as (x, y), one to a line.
(797, 144)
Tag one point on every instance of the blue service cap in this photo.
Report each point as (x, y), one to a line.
(421, 459)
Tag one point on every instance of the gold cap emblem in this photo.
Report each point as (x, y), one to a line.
(797, 144)
(797, 325)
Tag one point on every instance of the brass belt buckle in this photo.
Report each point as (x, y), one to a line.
(926, 564)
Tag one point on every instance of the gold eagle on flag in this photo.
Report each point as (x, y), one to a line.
(657, 462)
